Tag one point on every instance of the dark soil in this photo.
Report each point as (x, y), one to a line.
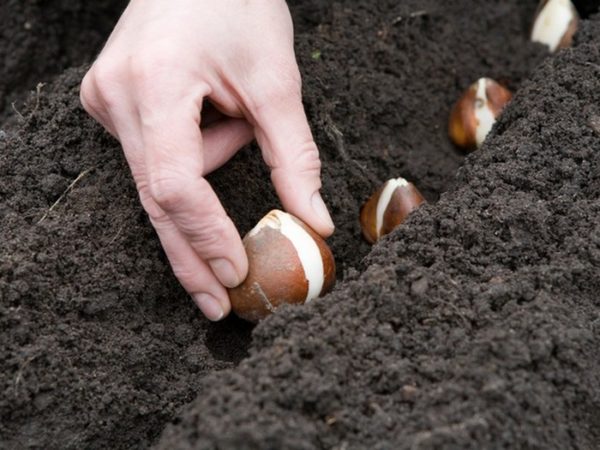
(475, 325)
(40, 38)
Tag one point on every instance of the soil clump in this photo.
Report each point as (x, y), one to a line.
(475, 325)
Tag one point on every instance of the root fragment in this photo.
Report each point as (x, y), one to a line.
(64, 194)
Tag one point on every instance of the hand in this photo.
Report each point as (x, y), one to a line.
(147, 88)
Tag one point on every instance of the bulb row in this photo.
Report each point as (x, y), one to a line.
(476, 111)
(289, 263)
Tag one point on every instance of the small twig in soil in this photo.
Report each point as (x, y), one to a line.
(116, 235)
(64, 194)
(421, 12)
(38, 91)
(411, 15)
(337, 137)
(19, 378)
(14, 108)
(591, 64)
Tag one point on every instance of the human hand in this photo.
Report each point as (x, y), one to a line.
(147, 88)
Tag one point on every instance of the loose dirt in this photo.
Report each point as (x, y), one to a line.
(475, 325)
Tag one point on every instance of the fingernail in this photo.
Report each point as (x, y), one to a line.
(321, 211)
(225, 272)
(210, 306)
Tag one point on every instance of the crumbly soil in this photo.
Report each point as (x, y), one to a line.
(41, 38)
(474, 325)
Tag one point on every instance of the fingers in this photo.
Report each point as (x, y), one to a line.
(147, 88)
(174, 165)
(222, 140)
(164, 147)
(283, 133)
(194, 274)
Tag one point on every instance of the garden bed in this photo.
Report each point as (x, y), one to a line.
(474, 325)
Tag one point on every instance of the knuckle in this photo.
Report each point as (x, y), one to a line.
(105, 78)
(308, 159)
(278, 86)
(107, 72)
(167, 188)
(286, 87)
(87, 93)
(144, 68)
(304, 160)
(151, 69)
(212, 234)
(185, 276)
(155, 212)
(148, 66)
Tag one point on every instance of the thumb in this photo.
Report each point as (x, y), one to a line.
(288, 148)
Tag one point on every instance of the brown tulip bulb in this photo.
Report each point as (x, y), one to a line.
(288, 263)
(555, 24)
(388, 208)
(474, 114)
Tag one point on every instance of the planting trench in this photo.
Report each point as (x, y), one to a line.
(475, 325)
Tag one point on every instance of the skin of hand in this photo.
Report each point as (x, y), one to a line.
(162, 64)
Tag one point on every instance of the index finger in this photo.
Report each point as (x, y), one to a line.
(172, 144)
